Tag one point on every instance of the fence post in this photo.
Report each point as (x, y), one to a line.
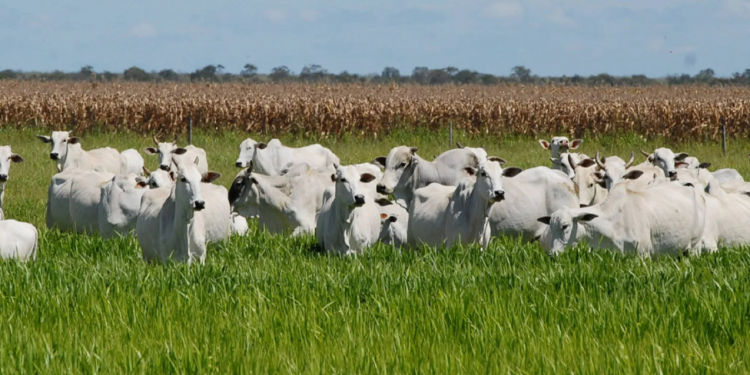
(190, 130)
(450, 135)
(724, 136)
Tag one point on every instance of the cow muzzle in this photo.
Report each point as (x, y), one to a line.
(53, 156)
(3, 177)
(240, 164)
(380, 188)
(199, 205)
(498, 195)
(672, 175)
(359, 200)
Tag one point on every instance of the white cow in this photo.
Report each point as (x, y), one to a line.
(289, 203)
(665, 218)
(73, 200)
(67, 151)
(613, 169)
(239, 224)
(270, 159)
(18, 240)
(172, 223)
(446, 215)
(590, 187)
(119, 204)
(558, 145)
(156, 179)
(131, 161)
(169, 151)
(727, 217)
(394, 223)
(349, 220)
(406, 172)
(666, 159)
(532, 193)
(567, 161)
(478, 151)
(6, 158)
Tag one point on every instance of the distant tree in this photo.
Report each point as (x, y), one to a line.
(135, 73)
(249, 71)
(451, 70)
(280, 73)
(346, 77)
(438, 77)
(313, 72)
(420, 75)
(639, 79)
(86, 71)
(488, 79)
(705, 75)
(208, 73)
(466, 76)
(168, 75)
(8, 74)
(390, 73)
(108, 76)
(521, 73)
(603, 79)
(219, 69)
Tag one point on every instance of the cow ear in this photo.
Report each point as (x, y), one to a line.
(172, 176)
(366, 177)
(210, 177)
(392, 219)
(414, 150)
(545, 144)
(379, 161)
(681, 156)
(261, 145)
(575, 144)
(74, 140)
(16, 158)
(470, 171)
(680, 164)
(496, 159)
(511, 172)
(383, 216)
(333, 177)
(253, 181)
(587, 216)
(632, 175)
(44, 138)
(140, 182)
(544, 219)
(179, 151)
(383, 202)
(586, 163)
(151, 150)
(704, 165)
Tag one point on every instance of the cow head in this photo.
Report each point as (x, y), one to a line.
(399, 166)
(559, 145)
(188, 184)
(244, 193)
(350, 189)
(585, 179)
(156, 179)
(59, 142)
(667, 160)
(165, 151)
(565, 163)
(613, 170)
(563, 228)
(121, 198)
(6, 158)
(247, 151)
(490, 178)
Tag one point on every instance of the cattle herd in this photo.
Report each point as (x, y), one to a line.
(668, 204)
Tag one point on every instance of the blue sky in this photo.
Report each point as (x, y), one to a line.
(655, 38)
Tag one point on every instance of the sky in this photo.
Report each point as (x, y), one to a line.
(550, 37)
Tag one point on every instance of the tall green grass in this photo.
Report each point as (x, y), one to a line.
(268, 304)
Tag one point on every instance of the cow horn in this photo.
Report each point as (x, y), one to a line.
(459, 145)
(146, 172)
(572, 162)
(599, 162)
(646, 154)
(156, 140)
(630, 162)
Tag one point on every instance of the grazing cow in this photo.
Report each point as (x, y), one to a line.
(448, 215)
(349, 220)
(532, 193)
(67, 151)
(406, 172)
(18, 240)
(558, 145)
(270, 159)
(119, 204)
(665, 218)
(169, 151)
(6, 158)
(172, 223)
(394, 223)
(282, 203)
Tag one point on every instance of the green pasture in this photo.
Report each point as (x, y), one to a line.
(268, 304)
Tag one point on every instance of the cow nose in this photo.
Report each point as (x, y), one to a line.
(359, 200)
(199, 205)
(53, 156)
(499, 194)
(164, 167)
(380, 188)
(672, 173)
(239, 164)
(3, 177)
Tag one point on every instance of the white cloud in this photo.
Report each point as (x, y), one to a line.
(736, 8)
(275, 15)
(309, 15)
(559, 18)
(142, 30)
(505, 10)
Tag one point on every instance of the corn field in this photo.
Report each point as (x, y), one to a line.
(676, 112)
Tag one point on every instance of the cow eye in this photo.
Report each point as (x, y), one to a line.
(591, 184)
(402, 165)
(564, 227)
(483, 174)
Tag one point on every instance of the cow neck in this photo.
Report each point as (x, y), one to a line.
(263, 161)
(2, 200)
(183, 227)
(474, 208)
(74, 152)
(272, 201)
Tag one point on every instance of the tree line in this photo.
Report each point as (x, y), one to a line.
(419, 75)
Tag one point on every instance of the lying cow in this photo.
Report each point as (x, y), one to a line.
(173, 223)
(446, 215)
(272, 158)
